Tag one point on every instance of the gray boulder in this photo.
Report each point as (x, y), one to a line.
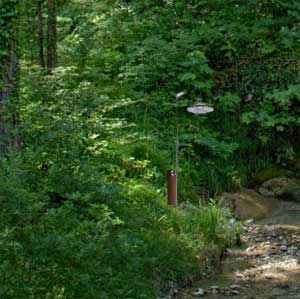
(247, 204)
(283, 188)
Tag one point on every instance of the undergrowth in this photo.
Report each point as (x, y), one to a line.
(104, 242)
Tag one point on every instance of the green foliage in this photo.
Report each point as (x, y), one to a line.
(84, 209)
(99, 134)
(124, 244)
(212, 222)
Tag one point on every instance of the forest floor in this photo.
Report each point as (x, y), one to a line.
(266, 266)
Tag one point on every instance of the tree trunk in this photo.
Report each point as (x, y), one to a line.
(7, 93)
(9, 75)
(41, 33)
(51, 36)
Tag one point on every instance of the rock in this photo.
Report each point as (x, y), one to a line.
(292, 251)
(249, 221)
(214, 290)
(199, 293)
(283, 248)
(234, 292)
(249, 249)
(266, 256)
(248, 204)
(281, 188)
(269, 173)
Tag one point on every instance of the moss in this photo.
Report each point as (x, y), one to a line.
(269, 173)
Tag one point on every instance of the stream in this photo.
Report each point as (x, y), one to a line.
(266, 266)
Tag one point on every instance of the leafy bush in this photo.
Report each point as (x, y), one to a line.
(126, 245)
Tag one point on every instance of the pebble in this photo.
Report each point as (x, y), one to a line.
(234, 292)
(199, 293)
(283, 248)
(249, 221)
(250, 248)
(239, 275)
(214, 290)
(269, 276)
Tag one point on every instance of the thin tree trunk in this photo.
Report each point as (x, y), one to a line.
(41, 32)
(10, 71)
(8, 92)
(51, 36)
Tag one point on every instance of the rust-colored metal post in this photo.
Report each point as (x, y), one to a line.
(172, 188)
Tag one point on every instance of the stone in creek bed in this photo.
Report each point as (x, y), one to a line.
(234, 292)
(283, 248)
(251, 248)
(199, 293)
(249, 221)
(269, 276)
(214, 289)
